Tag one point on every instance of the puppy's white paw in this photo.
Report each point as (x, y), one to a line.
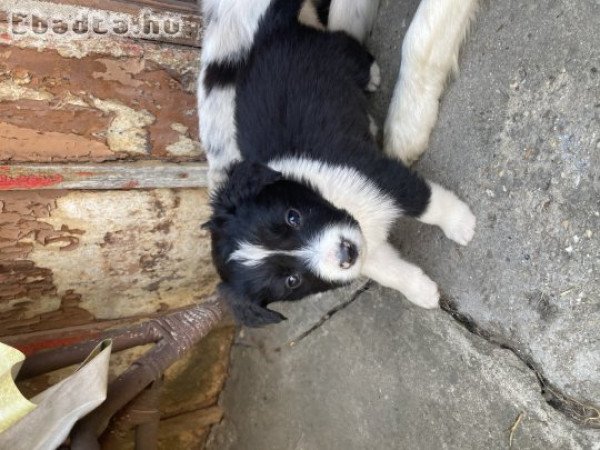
(375, 77)
(449, 213)
(424, 293)
(459, 225)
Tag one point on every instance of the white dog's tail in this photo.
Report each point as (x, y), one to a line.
(429, 55)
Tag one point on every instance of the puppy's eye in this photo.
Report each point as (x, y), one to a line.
(293, 281)
(293, 218)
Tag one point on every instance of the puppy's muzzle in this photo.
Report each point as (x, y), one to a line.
(347, 254)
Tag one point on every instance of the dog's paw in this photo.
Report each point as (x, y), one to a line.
(450, 213)
(459, 224)
(374, 77)
(424, 293)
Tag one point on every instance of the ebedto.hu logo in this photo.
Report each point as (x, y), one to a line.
(48, 20)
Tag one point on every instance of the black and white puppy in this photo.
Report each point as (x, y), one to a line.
(303, 199)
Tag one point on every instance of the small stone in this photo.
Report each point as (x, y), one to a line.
(569, 249)
(588, 234)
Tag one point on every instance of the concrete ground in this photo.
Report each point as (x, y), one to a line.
(518, 138)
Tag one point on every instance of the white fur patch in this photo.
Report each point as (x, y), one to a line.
(251, 255)
(231, 28)
(386, 267)
(373, 128)
(450, 213)
(347, 189)
(217, 131)
(355, 17)
(374, 77)
(429, 53)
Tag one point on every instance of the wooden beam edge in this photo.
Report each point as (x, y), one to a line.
(103, 176)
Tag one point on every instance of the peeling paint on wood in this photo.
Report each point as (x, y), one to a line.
(77, 257)
(28, 181)
(103, 107)
(28, 296)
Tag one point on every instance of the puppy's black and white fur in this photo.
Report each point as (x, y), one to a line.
(303, 198)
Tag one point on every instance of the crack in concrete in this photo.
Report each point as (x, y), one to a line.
(585, 415)
(329, 314)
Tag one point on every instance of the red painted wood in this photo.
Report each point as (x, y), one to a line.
(28, 181)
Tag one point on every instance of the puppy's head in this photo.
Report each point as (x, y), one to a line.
(275, 239)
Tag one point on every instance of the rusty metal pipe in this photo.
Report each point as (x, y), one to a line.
(180, 331)
(124, 338)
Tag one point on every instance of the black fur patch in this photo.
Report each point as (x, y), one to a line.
(323, 11)
(221, 74)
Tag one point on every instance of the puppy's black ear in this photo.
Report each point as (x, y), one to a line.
(246, 179)
(247, 312)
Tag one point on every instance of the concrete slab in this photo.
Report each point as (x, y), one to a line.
(383, 374)
(519, 138)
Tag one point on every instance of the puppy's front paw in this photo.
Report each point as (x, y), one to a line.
(424, 293)
(459, 225)
(449, 213)
(374, 78)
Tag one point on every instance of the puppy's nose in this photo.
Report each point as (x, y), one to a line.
(347, 254)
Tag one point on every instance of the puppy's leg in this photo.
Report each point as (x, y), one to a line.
(429, 54)
(355, 17)
(385, 266)
(450, 213)
(430, 203)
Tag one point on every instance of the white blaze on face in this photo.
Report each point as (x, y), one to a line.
(322, 254)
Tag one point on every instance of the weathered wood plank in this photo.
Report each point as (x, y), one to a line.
(105, 176)
(97, 100)
(71, 258)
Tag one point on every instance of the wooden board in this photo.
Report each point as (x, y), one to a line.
(123, 175)
(76, 257)
(97, 101)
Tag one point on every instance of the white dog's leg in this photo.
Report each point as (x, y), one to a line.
(450, 213)
(355, 17)
(429, 53)
(386, 267)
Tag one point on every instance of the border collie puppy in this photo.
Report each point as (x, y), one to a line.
(304, 200)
